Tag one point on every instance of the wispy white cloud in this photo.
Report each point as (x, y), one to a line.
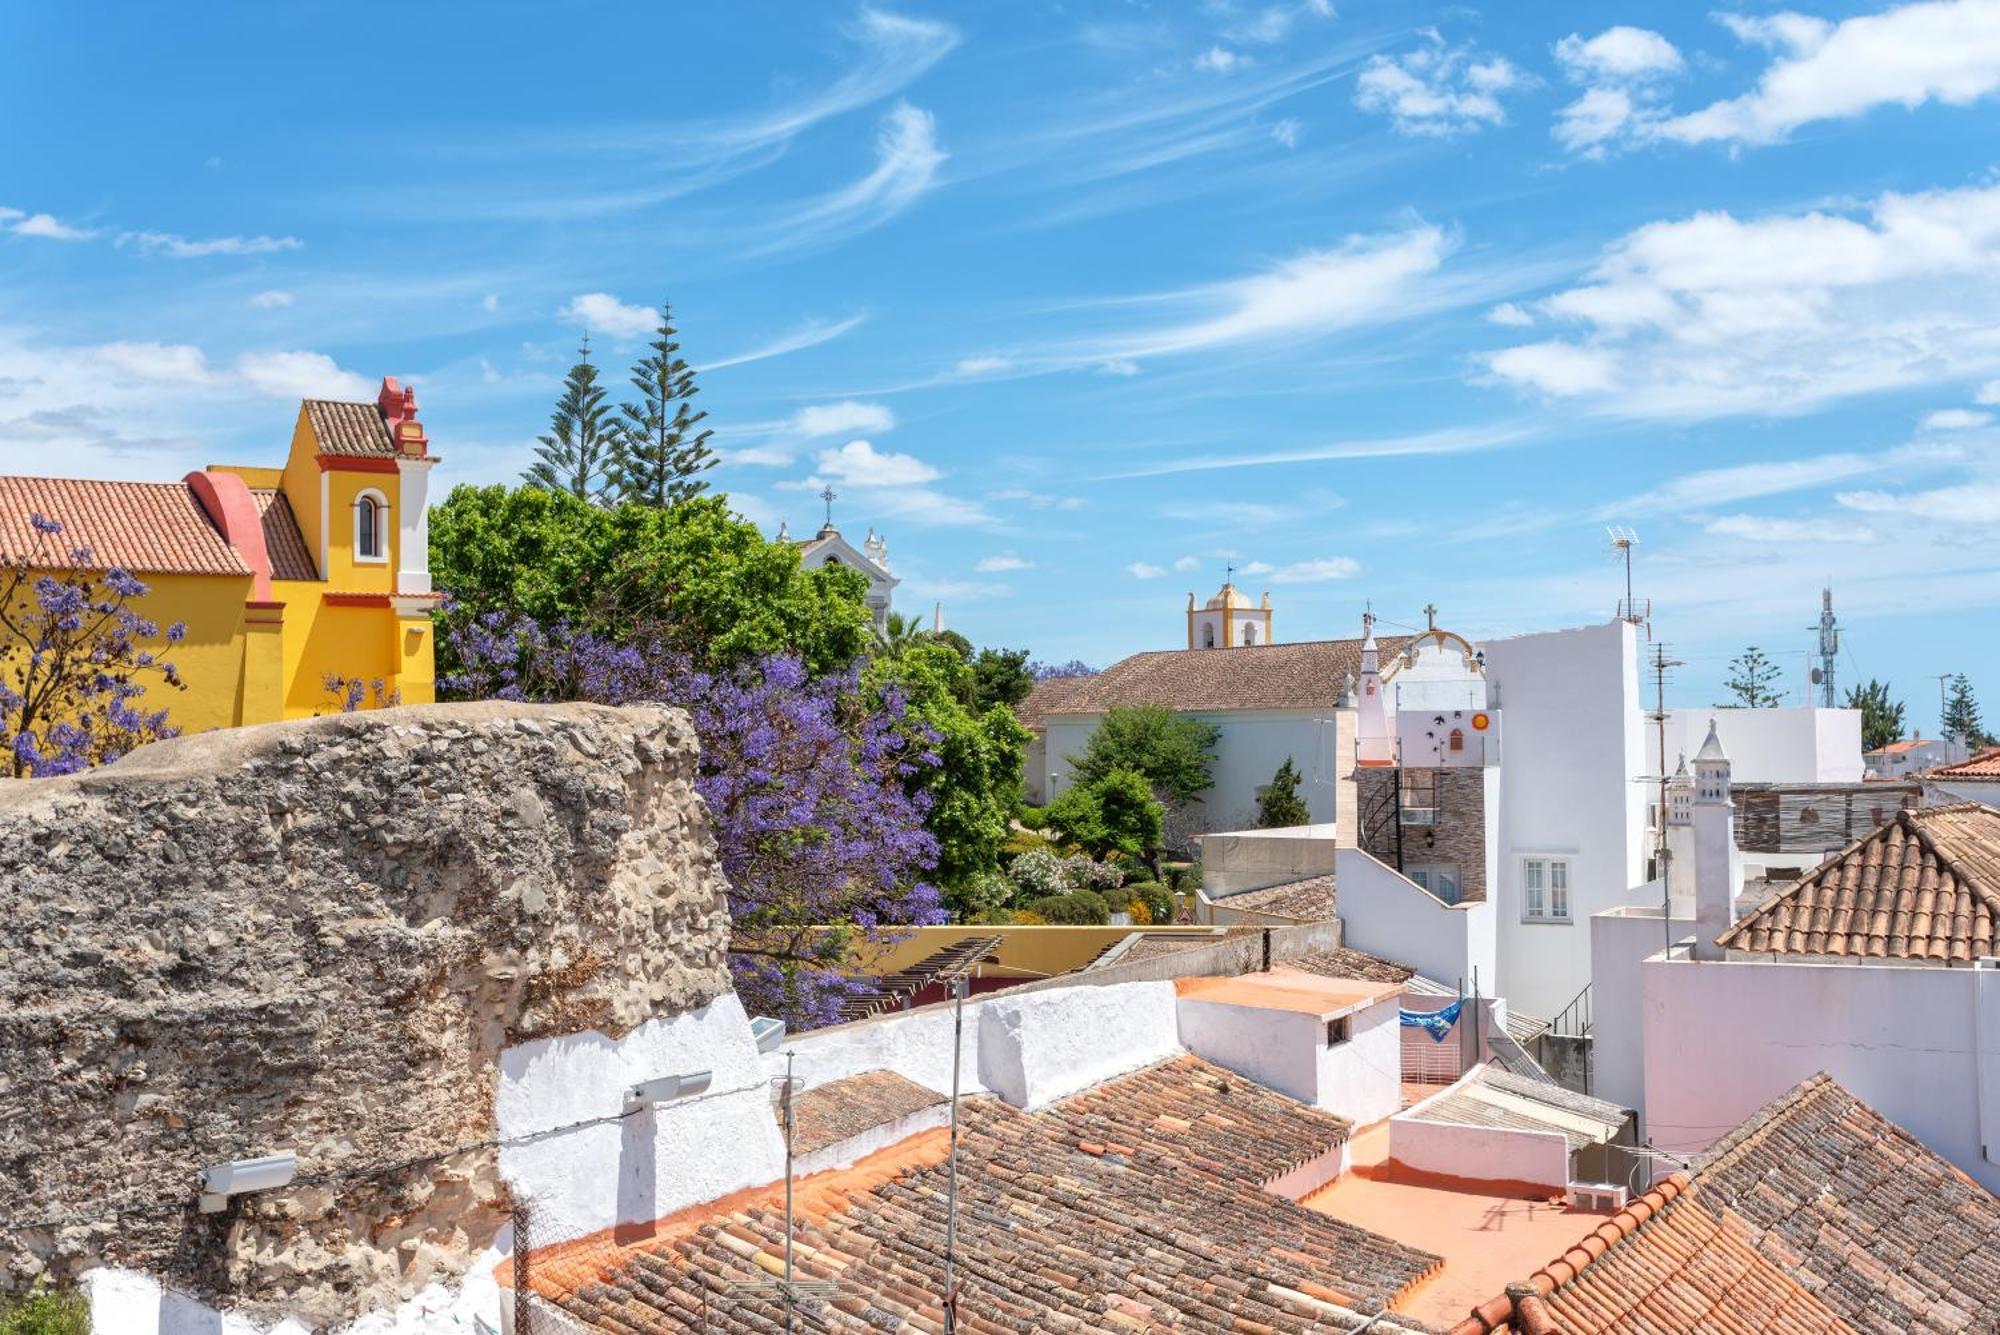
(1004, 561)
(907, 160)
(809, 334)
(1448, 440)
(1509, 314)
(842, 418)
(1945, 51)
(295, 375)
(1319, 571)
(602, 313)
(858, 463)
(1186, 563)
(1228, 514)
(1789, 532)
(1715, 314)
(271, 300)
(1956, 419)
(1624, 71)
(1971, 504)
(1037, 500)
(44, 226)
(1709, 487)
(1141, 570)
(1221, 60)
(1288, 130)
(1437, 89)
(181, 248)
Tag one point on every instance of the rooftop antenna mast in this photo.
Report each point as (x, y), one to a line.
(1661, 666)
(1829, 649)
(1635, 610)
(791, 1294)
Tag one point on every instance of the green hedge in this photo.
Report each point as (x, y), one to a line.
(1078, 908)
(45, 1311)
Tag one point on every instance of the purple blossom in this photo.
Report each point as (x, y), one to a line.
(73, 662)
(808, 781)
(1075, 667)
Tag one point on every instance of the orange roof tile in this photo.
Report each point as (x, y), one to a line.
(1983, 765)
(1134, 1205)
(283, 541)
(1924, 886)
(350, 428)
(148, 528)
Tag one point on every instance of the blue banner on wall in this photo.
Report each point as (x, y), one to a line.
(1436, 1023)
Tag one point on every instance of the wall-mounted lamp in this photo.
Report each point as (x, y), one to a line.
(224, 1180)
(665, 1089)
(768, 1031)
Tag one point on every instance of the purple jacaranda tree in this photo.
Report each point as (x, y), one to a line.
(1075, 667)
(807, 781)
(74, 660)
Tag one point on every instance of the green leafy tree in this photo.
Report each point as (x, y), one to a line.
(1279, 806)
(1001, 677)
(958, 642)
(1752, 680)
(1961, 714)
(899, 633)
(974, 781)
(573, 456)
(657, 454)
(705, 582)
(1116, 814)
(1176, 753)
(1881, 717)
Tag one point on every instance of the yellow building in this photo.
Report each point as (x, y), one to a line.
(283, 575)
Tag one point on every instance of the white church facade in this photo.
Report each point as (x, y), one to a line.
(827, 547)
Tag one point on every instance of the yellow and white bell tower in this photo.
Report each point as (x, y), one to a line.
(1229, 620)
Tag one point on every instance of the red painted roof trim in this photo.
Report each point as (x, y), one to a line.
(355, 463)
(227, 499)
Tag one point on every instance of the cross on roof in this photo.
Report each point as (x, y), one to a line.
(1431, 615)
(827, 494)
(1229, 573)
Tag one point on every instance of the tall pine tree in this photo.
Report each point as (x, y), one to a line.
(1753, 681)
(658, 452)
(575, 454)
(1961, 714)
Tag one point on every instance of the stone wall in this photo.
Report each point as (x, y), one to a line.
(1458, 836)
(317, 936)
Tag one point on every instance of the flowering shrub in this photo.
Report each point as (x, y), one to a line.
(73, 661)
(1086, 873)
(808, 781)
(1038, 873)
(348, 693)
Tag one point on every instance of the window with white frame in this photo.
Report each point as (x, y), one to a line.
(1545, 889)
(371, 527)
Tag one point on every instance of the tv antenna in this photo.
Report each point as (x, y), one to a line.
(792, 1294)
(1635, 610)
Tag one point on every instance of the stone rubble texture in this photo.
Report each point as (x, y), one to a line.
(318, 936)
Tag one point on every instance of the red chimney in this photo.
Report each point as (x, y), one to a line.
(399, 409)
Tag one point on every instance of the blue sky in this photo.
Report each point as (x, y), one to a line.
(1079, 303)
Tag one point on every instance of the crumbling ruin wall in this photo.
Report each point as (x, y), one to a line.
(317, 936)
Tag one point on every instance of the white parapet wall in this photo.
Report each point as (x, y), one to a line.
(1920, 1045)
(1621, 940)
(1359, 1079)
(1800, 745)
(635, 1169)
(1477, 1153)
(1027, 1047)
(1385, 913)
(125, 1302)
(1236, 861)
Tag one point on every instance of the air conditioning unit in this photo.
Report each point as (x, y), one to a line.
(1599, 1197)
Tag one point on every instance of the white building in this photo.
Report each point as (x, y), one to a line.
(871, 558)
(1509, 771)
(1876, 966)
(1913, 755)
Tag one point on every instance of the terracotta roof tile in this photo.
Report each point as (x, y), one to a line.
(1346, 962)
(1887, 1233)
(350, 428)
(1817, 1214)
(1308, 675)
(149, 528)
(842, 1109)
(1309, 900)
(872, 996)
(283, 542)
(1983, 765)
(1924, 886)
(1134, 1206)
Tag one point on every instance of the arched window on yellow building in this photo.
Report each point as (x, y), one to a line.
(371, 527)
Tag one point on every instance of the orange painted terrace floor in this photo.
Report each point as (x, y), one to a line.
(1488, 1238)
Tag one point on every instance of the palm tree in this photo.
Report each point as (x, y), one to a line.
(897, 634)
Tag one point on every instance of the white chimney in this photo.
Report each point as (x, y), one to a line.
(1718, 867)
(1373, 743)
